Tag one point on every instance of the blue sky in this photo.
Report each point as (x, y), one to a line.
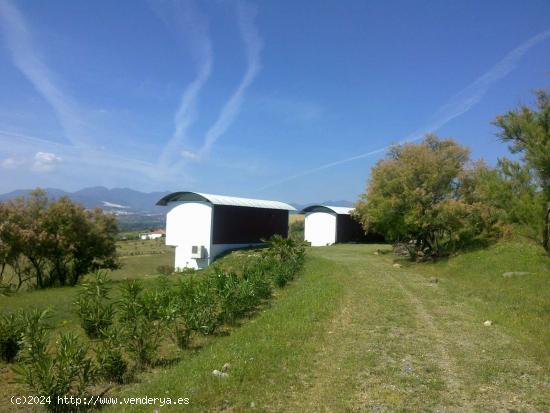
(289, 100)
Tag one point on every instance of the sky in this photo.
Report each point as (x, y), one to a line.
(287, 100)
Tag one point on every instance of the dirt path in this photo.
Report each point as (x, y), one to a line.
(453, 380)
(399, 344)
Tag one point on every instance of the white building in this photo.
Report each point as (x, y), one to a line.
(327, 225)
(152, 235)
(202, 226)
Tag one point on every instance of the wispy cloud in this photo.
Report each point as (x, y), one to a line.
(456, 106)
(45, 161)
(11, 163)
(22, 144)
(19, 41)
(253, 46)
(187, 21)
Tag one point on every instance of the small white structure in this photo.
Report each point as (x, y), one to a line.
(152, 235)
(202, 226)
(321, 224)
(327, 225)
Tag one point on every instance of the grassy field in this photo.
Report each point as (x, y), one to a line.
(146, 257)
(139, 259)
(356, 333)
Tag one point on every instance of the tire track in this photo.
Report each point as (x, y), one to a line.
(450, 373)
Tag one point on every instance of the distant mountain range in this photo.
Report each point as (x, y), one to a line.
(120, 201)
(134, 209)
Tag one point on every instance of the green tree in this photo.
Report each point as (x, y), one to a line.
(413, 196)
(54, 242)
(510, 190)
(528, 133)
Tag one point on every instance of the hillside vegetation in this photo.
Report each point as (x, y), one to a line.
(122, 333)
(357, 333)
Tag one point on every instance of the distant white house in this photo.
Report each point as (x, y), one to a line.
(159, 233)
(327, 225)
(202, 226)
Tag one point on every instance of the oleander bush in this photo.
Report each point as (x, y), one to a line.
(63, 369)
(205, 311)
(155, 300)
(235, 295)
(93, 306)
(257, 276)
(112, 365)
(11, 332)
(139, 325)
(176, 316)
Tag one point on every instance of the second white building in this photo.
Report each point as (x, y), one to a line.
(327, 225)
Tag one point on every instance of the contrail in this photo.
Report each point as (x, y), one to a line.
(19, 41)
(253, 47)
(457, 105)
(194, 27)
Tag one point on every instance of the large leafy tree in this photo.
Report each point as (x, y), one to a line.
(413, 195)
(54, 243)
(509, 189)
(527, 131)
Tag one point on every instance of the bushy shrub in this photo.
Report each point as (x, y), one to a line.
(154, 300)
(35, 326)
(236, 295)
(64, 371)
(296, 230)
(11, 332)
(258, 277)
(93, 306)
(283, 258)
(205, 311)
(112, 365)
(177, 320)
(140, 328)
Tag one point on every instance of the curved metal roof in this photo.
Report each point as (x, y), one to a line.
(327, 208)
(223, 200)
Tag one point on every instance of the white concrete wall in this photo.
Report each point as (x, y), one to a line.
(188, 224)
(320, 228)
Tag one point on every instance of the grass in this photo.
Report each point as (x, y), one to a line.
(518, 303)
(142, 247)
(266, 350)
(353, 333)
